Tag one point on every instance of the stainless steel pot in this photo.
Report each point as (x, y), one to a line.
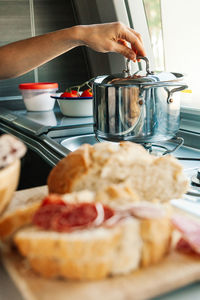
(137, 108)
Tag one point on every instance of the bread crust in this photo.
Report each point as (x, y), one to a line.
(10, 223)
(72, 167)
(74, 258)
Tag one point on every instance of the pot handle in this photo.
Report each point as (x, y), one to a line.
(165, 84)
(178, 89)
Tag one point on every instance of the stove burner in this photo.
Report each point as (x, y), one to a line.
(163, 150)
(195, 180)
(193, 175)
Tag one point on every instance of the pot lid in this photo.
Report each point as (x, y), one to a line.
(126, 78)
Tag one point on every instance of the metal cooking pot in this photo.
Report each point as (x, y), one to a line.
(141, 109)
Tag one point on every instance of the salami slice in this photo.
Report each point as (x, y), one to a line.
(44, 215)
(55, 214)
(79, 216)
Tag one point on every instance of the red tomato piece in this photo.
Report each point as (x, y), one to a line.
(75, 92)
(72, 94)
(87, 93)
(52, 199)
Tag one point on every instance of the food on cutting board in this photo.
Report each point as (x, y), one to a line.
(94, 167)
(107, 213)
(77, 237)
(11, 150)
(18, 214)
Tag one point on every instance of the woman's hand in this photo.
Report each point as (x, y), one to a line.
(112, 37)
(23, 56)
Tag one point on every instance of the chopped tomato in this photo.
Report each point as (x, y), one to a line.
(87, 93)
(71, 94)
(52, 199)
(75, 92)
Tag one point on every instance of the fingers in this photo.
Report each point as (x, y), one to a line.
(124, 50)
(136, 42)
(122, 42)
(136, 33)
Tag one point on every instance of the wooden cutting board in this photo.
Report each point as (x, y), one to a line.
(173, 272)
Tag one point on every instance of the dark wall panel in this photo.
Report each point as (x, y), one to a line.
(70, 68)
(14, 25)
(49, 15)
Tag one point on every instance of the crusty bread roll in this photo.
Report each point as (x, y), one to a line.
(11, 150)
(9, 177)
(18, 213)
(95, 167)
(96, 252)
(85, 254)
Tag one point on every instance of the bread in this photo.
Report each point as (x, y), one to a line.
(18, 214)
(11, 150)
(96, 252)
(9, 177)
(126, 178)
(98, 166)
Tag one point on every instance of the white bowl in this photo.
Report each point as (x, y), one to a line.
(75, 107)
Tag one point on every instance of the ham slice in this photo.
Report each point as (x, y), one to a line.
(145, 210)
(190, 229)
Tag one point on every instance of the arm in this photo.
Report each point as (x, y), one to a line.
(23, 56)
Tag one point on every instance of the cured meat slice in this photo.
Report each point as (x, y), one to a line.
(53, 199)
(77, 216)
(44, 215)
(55, 214)
(184, 247)
(147, 211)
(190, 229)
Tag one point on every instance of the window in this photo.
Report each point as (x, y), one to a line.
(174, 27)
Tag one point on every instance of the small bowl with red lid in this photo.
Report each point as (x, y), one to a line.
(36, 95)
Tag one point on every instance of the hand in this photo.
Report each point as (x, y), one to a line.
(113, 37)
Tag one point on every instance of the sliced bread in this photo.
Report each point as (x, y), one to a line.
(19, 213)
(97, 252)
(96, 167)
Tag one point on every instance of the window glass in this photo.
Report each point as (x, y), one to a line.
(174, 27)
(153, 14)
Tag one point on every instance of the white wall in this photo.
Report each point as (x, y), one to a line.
(181, 33)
